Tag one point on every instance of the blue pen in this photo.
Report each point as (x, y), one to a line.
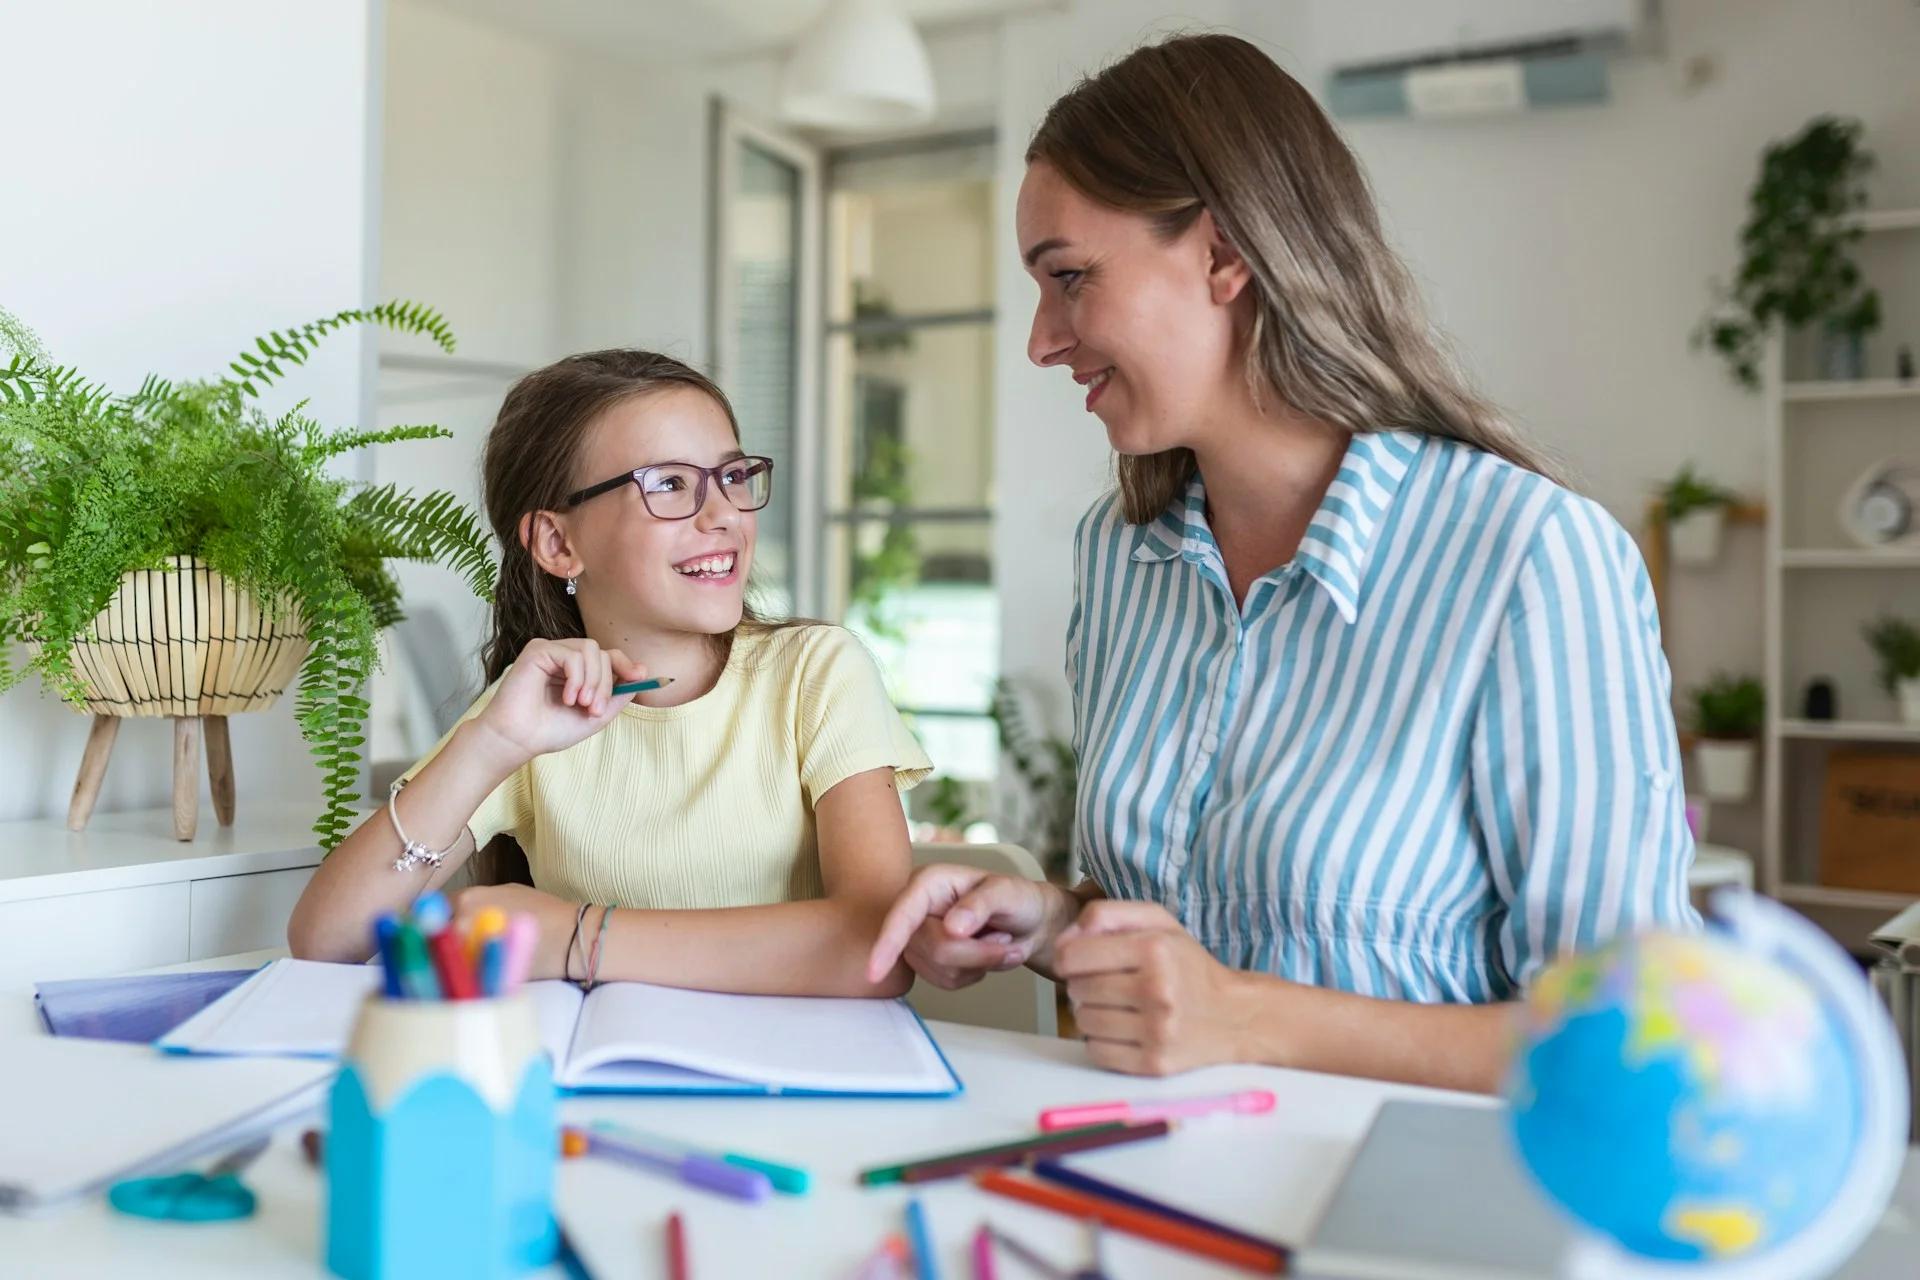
(386, 935)
(493, 965)
(926, 1265)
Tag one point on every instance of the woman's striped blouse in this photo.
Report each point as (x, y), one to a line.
(1429, 754)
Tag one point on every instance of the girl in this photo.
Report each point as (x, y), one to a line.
(739, 829)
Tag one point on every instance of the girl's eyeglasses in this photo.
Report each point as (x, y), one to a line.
(676, 490)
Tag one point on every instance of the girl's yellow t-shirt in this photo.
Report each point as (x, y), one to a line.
(710, 803)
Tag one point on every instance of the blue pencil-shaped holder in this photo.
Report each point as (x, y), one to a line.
(442, 1145)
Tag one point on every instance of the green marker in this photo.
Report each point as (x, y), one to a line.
(416, 966)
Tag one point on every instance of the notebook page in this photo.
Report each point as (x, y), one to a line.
(782, 1042)
(76, 1114)
(295, 1008)
(556, 1007)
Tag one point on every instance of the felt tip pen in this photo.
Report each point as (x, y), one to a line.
(694, 1170)
(1247, 1102)
(785, 1178)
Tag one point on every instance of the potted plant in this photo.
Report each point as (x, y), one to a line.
(1049, 779)
(1896, 642)
(1694, 511)
(177, 551)
(1794, 267)
(1728, 712)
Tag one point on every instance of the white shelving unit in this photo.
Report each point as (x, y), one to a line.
(1820, 588)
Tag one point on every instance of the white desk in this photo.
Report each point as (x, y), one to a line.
(1271, 1174)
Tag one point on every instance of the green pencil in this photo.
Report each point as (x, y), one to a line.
(643, 686)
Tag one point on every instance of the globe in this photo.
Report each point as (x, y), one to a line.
(1732, 1102)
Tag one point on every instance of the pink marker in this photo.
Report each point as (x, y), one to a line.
(1246, 1103)
(522, 933)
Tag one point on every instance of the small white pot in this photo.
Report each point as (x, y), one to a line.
(1726, 769)
(1908, 692)
(1695, 537)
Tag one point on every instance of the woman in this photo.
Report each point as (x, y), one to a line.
(1371, 714)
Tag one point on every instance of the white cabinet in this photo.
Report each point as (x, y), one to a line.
(125, 895)
(230, 914)
(85, 935)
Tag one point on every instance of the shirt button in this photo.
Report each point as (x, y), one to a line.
(1210, 743)
(1659, 779)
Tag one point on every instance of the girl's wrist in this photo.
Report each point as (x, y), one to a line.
(488, 750)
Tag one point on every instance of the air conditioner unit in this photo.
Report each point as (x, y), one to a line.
(1439, 58)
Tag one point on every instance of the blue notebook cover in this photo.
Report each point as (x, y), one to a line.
(135, 1010)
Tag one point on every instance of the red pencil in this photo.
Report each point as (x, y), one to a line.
(677, 1249)
(449, 952)
(1147, 1226)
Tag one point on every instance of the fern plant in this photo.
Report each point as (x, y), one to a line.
(94, 485)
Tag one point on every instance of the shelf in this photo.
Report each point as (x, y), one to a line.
(1871, 220)
(1820, 895)
(1851, 730)
(1854, 389)
(1842, 558)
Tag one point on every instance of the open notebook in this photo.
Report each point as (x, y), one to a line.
(626, 1037)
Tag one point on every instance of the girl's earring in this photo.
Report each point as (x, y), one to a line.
(572, 590)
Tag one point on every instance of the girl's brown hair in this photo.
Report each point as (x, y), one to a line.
(1208, 122)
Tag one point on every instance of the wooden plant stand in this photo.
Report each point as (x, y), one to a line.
(187, 731)
(185, 643)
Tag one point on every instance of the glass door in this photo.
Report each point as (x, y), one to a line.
(765, 338)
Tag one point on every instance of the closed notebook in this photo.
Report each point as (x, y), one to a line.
(136, 1010)
(76, 1115)
(625, 1037)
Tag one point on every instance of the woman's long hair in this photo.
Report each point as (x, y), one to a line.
(1208, 122)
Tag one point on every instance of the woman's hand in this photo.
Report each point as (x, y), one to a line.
(554, 916)
(955, 925)
(556, 693)
(1148, 998)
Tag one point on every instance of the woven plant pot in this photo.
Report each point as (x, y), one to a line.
(186, 642)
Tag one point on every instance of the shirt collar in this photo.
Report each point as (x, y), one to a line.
(1340, 536)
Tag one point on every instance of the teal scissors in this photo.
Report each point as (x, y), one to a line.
(214, 1196)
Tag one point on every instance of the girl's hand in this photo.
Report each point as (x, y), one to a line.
(556, 693)
(554, 916)
(1149, 999)
(955, 925)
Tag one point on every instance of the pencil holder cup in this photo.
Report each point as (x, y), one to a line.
(442, 1145)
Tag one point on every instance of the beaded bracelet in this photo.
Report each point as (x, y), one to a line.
(412, 852)
(593, 966)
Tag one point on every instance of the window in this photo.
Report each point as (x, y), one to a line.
(907, 454)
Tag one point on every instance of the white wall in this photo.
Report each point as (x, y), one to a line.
(1052, 454)
(1566, 252)
(181, 178)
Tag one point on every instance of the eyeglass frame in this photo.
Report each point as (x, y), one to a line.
(635, 478)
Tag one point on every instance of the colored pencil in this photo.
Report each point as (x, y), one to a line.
(926, 1263)
(929, 1168)
(1136, 1222)
(1058, 1174)
(983, 1268)
(677, 1248)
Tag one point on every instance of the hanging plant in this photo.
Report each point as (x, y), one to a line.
(1794, 266)
(94, 486)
